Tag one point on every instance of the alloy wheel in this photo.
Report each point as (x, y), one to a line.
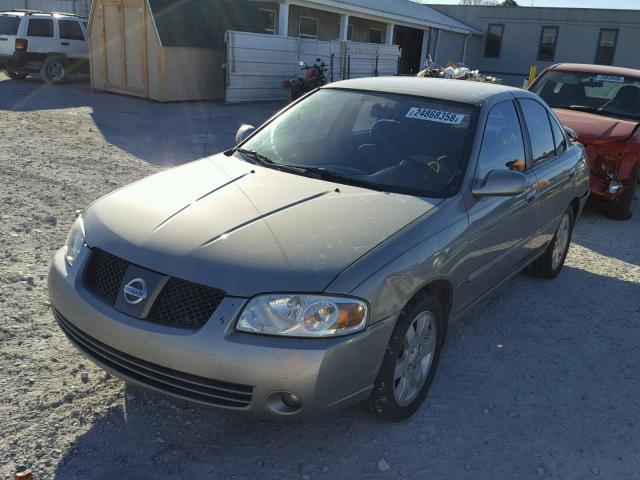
(415, 358)
(562, 241)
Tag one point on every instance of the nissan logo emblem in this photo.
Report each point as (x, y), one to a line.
(135, 291)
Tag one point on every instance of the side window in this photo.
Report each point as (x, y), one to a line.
(70, 30)
(558, 136)
(537, 120)
(40, 27)
(502, 144)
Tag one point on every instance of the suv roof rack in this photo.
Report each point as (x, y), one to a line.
(27, 11)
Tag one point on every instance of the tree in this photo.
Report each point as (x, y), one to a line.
(509, 3)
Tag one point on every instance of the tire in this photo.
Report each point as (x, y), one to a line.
(398, 391)
(54, 70)
(621, 208)
(552, 260)
(13, 75)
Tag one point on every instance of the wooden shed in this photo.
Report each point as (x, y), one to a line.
(165, 50)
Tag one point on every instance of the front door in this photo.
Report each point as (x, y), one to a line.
(500, 228)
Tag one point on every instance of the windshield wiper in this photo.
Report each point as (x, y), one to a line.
(330, 175)
(257, 157)
(582, 108)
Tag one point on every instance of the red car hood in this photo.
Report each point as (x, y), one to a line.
(596, 129)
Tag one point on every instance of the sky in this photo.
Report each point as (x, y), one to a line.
(628, 4)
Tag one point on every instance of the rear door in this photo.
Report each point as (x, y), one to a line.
(72, 39)
(40, 34)
(9, 25)
(553, 165)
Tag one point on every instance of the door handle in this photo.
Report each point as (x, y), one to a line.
(532, 195)
(64, 43)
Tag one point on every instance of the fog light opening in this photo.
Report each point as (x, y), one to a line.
(284, 403)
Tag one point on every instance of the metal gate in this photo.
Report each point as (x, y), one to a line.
(258, 63)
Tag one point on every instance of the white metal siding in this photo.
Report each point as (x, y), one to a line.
(258, 63)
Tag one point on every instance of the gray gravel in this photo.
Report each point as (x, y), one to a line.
(541, 382)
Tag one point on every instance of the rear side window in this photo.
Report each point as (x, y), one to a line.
(40, 27)
(70, 30)
(9, 25)
(502, 144)
(558, 136)
(537, 120)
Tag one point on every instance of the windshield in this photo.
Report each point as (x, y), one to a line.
(9, 25)
(389, 142)
(611, 95)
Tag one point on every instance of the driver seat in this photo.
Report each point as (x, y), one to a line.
(627, 99)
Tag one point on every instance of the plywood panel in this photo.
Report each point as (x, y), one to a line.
(114, 45)
(135, 57)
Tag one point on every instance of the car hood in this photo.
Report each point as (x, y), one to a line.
(246, 229)
(596, 129)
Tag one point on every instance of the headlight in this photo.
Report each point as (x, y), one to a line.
(75, 241)
(303, 315)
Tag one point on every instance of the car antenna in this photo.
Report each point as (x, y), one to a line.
(206, 138)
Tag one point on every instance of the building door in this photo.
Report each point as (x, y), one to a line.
(410, 42)
(124, 47)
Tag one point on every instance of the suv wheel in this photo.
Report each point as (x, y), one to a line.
(13, 75)
(410, 360)
(54, 70)
(552, 260)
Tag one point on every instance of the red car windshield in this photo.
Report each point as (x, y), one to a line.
(610, 95)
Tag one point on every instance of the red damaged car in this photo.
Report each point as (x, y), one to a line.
(602, 105)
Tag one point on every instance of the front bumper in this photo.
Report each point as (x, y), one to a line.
(217, 366)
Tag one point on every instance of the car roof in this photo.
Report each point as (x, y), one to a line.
(599, 69)
(463, 91)
(19, 13)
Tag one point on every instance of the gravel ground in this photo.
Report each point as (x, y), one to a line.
(541, 382)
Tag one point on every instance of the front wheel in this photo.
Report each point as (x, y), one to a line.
(13, 75)
(54, 70)
(552, 260)
(410, 360)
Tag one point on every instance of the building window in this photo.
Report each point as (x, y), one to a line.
(548, 41)
(494, 40)
(606, 46)
(269, 20)
(375, 35)
(308, 27)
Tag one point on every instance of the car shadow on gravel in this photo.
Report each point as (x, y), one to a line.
(611, 238)
(159, 133)
(544, 389)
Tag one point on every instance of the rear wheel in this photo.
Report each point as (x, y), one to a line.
(13, 75)
(54, 70)
(410, 360)
(621, 208)
(552, 260)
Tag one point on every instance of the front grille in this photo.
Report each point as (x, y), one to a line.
(103, 275)
(185, 304)
(183, 385)
(180, 303)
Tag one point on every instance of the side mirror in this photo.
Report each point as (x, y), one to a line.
(243, 133)
(571, 133)
(502, 183)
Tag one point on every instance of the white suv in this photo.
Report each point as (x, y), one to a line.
(52, 44)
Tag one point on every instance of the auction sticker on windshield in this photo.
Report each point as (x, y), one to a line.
(435, 115)
(610, 78)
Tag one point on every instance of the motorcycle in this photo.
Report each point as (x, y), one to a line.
(314, 78)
